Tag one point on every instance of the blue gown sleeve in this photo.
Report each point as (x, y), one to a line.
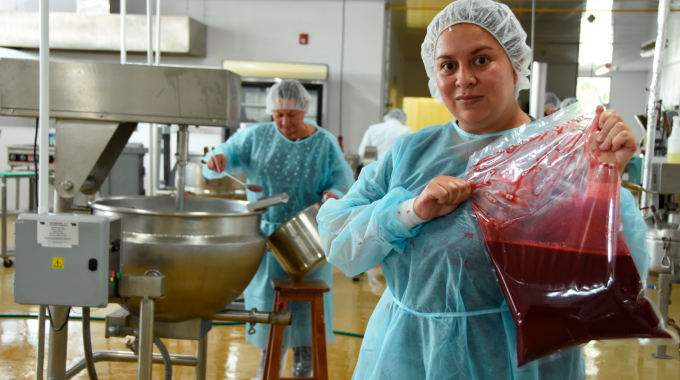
(236, 151)
(634, 230)
(362, 228)
(339, 177)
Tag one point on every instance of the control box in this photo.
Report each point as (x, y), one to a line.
(67, 259)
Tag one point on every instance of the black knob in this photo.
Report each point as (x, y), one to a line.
(12, 157)
(92, 264)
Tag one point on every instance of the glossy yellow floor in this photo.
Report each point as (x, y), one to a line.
(230, 357)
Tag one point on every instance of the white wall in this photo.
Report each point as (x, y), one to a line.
(670, 80)
(628, 95)
(268, 30)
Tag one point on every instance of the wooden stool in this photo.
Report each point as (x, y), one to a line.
(307, 290)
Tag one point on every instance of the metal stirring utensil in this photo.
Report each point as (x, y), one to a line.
(249, 186)
(252, 187)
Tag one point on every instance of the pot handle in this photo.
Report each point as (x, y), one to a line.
(268, 202)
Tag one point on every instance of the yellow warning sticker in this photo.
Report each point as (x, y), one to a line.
(58, 262)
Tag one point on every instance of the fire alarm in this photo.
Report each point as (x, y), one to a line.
(304, 38)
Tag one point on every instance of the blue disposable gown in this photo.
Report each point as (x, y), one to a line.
(443, 315)
(303, 169)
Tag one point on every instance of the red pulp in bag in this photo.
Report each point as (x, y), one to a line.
(549, 211)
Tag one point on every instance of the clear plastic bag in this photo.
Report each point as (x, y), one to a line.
(547, 200)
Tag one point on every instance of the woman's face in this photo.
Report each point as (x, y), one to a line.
(289, 122)
(475, 78)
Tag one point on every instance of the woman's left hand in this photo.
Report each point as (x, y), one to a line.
(615, 135)
(328, 195)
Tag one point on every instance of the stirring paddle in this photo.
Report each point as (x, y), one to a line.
(249, 186)
(252, 187)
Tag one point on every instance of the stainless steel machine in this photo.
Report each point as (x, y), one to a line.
(663, 237)
(173, 264)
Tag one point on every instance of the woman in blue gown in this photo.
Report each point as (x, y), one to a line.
(289, 155)
(443, 315)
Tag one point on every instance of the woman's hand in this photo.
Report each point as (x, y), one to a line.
(328, 195)
(441, 196)
(615, 135)
(217, 163)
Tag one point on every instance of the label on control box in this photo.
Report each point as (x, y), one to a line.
(57, 234)
(58, 262)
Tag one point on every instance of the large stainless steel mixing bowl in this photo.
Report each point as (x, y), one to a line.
(208, 253)
(297, 244)
(663, 244)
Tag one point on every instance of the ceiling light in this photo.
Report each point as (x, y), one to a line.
(647, 49)
(604, 69)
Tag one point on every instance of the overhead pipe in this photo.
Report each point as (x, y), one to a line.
(539, 76)
(149, 61)
(44, 112)
(386, 52)
(154, 153)
(123, 32)
(149, 33)
(182, 160)
(158, 33)
(654, 89)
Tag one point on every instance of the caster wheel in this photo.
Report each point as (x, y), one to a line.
(8, 263)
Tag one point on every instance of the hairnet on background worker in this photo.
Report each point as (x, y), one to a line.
(288, 94)
(383, 135)
(552, 103)
(443, 315)
(304, 168)
(567, 102)
(396, 114)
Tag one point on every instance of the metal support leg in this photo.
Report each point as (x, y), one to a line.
(31, 192)
(182, 159)
(146, 312)
(17, 186)
(56, 363)
(665, 283)
(202, 357)
(3, 195)
(62, 205)
(40, 359)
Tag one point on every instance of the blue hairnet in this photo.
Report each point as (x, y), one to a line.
(289, 94)
(396, 114)
(552, 101)
(497, 19)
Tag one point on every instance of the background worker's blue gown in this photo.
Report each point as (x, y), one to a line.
(443, 315)
(303, 169)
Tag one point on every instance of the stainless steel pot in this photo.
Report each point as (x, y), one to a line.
(225, 187)
(209, 253)
(663, 244)
(297, 244)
